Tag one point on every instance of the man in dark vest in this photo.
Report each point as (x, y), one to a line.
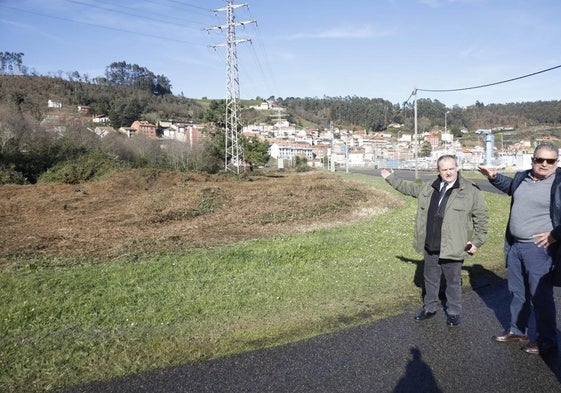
(451, 224)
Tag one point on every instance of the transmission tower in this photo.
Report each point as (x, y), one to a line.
(233, 157)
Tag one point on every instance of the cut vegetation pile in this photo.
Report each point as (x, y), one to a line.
(139, 211)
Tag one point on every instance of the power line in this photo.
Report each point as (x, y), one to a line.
(488, 84)
(165, 19)
(407, 100)
(102, 27)
(479, 86)
(188, 5)
(273, 87)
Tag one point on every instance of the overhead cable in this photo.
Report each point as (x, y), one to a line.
(488, 84)
(101, 26)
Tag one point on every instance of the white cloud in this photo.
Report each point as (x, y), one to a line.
(430, 3)
(343, 33)
(15, 24)
(438, 3)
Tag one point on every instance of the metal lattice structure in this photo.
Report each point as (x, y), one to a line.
(233, 157)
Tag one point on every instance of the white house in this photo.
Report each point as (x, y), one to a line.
(264, 106)
(54, 104)
(104, 131)
(183, 132)
(100, 119)
(280, 150)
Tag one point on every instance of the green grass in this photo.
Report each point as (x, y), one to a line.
(63, 324)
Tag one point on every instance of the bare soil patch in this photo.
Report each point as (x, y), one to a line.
(150, 211)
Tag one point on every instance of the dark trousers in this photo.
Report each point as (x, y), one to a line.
(433, 270)
(530, 284)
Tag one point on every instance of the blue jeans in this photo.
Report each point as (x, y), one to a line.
(530, 284)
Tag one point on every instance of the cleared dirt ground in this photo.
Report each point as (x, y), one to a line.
(149, 211)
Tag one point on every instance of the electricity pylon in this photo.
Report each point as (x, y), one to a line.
(233, 157)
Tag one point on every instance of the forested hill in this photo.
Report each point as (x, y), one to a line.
(125, 103)
(377, 114)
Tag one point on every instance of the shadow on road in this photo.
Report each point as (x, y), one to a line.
(554, 364)
(483, 281)
(418, 376)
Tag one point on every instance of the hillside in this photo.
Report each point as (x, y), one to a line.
(31, 93)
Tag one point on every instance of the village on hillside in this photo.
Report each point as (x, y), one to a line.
(329, 148)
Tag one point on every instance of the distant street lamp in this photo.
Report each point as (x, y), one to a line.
(397, 147)
(445, 130)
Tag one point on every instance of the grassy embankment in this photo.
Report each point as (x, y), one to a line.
(64, 324)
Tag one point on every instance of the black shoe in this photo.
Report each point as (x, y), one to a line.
(424, 314)
(453, 320)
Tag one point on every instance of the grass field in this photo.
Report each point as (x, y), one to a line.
(67, 319)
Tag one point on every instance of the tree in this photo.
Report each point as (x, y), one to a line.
(256, 152)
(216, 113)
(11, 62)
(131, 112)
(133, 75)
(426, 149)
(18, 98)
(162, 85)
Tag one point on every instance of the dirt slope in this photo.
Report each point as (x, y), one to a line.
(143, 211)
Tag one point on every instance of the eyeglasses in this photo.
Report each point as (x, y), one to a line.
(541, 160)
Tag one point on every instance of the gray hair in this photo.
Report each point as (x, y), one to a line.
(446, 157)
(546, 146)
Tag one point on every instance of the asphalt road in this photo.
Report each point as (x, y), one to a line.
(479, 179)
(393, 355)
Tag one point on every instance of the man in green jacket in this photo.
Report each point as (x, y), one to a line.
(450, 225)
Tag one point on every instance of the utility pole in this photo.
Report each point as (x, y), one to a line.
(397, 148)
(347, 152)
(331, 165)
(416, 141)
(233, 154)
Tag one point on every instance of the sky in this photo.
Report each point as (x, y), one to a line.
(304, 48)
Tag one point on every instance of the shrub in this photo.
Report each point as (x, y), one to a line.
(84, 168)
(9, 175)
(301, 164)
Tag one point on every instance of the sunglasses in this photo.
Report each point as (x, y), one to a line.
(541, 160)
